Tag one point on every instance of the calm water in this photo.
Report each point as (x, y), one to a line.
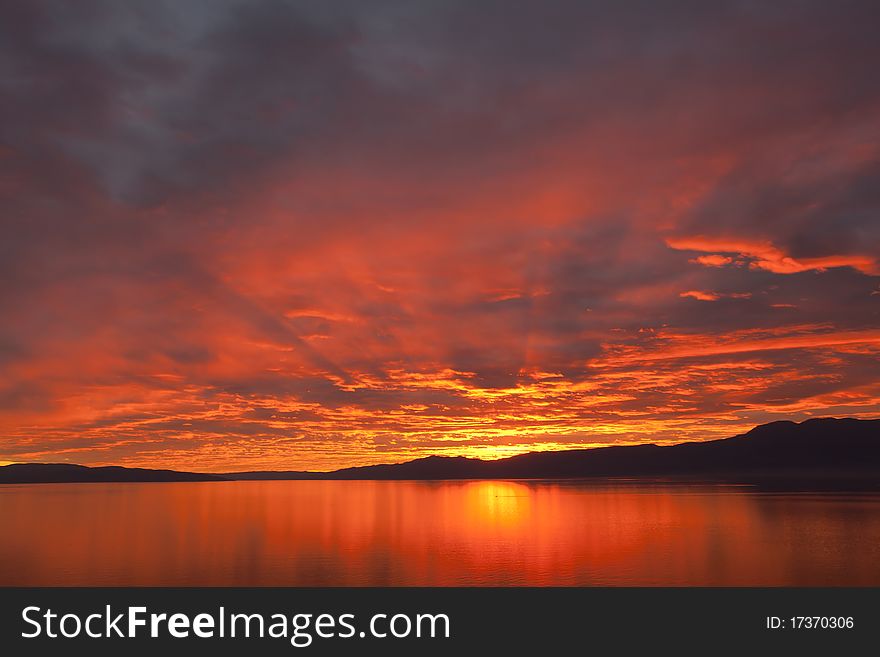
(317, 533)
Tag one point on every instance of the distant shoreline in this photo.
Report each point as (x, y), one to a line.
(825, 452)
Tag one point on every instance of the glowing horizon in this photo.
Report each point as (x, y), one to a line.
(246, 237)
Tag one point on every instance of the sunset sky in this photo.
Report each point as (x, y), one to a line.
(305, 235)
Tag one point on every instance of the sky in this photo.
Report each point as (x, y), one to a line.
(306, 235)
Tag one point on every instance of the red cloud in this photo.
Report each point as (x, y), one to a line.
(701, 296)
(713, 260)
(764, 255)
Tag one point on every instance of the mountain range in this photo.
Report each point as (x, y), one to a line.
(814, 449)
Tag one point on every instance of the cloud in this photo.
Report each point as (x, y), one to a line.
(763, 255)
(242, 235)
(701, 296)
(713, 260)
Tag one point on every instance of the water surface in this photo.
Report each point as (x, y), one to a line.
(370, 533)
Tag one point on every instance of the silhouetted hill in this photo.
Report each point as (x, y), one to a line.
(827, 446)
(814, 449)
(273, 475)
(47, 473)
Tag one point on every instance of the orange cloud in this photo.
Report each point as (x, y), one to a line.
(764, 255)
(672, 346)
(714, 260)
(365, 255)
(701, 296)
